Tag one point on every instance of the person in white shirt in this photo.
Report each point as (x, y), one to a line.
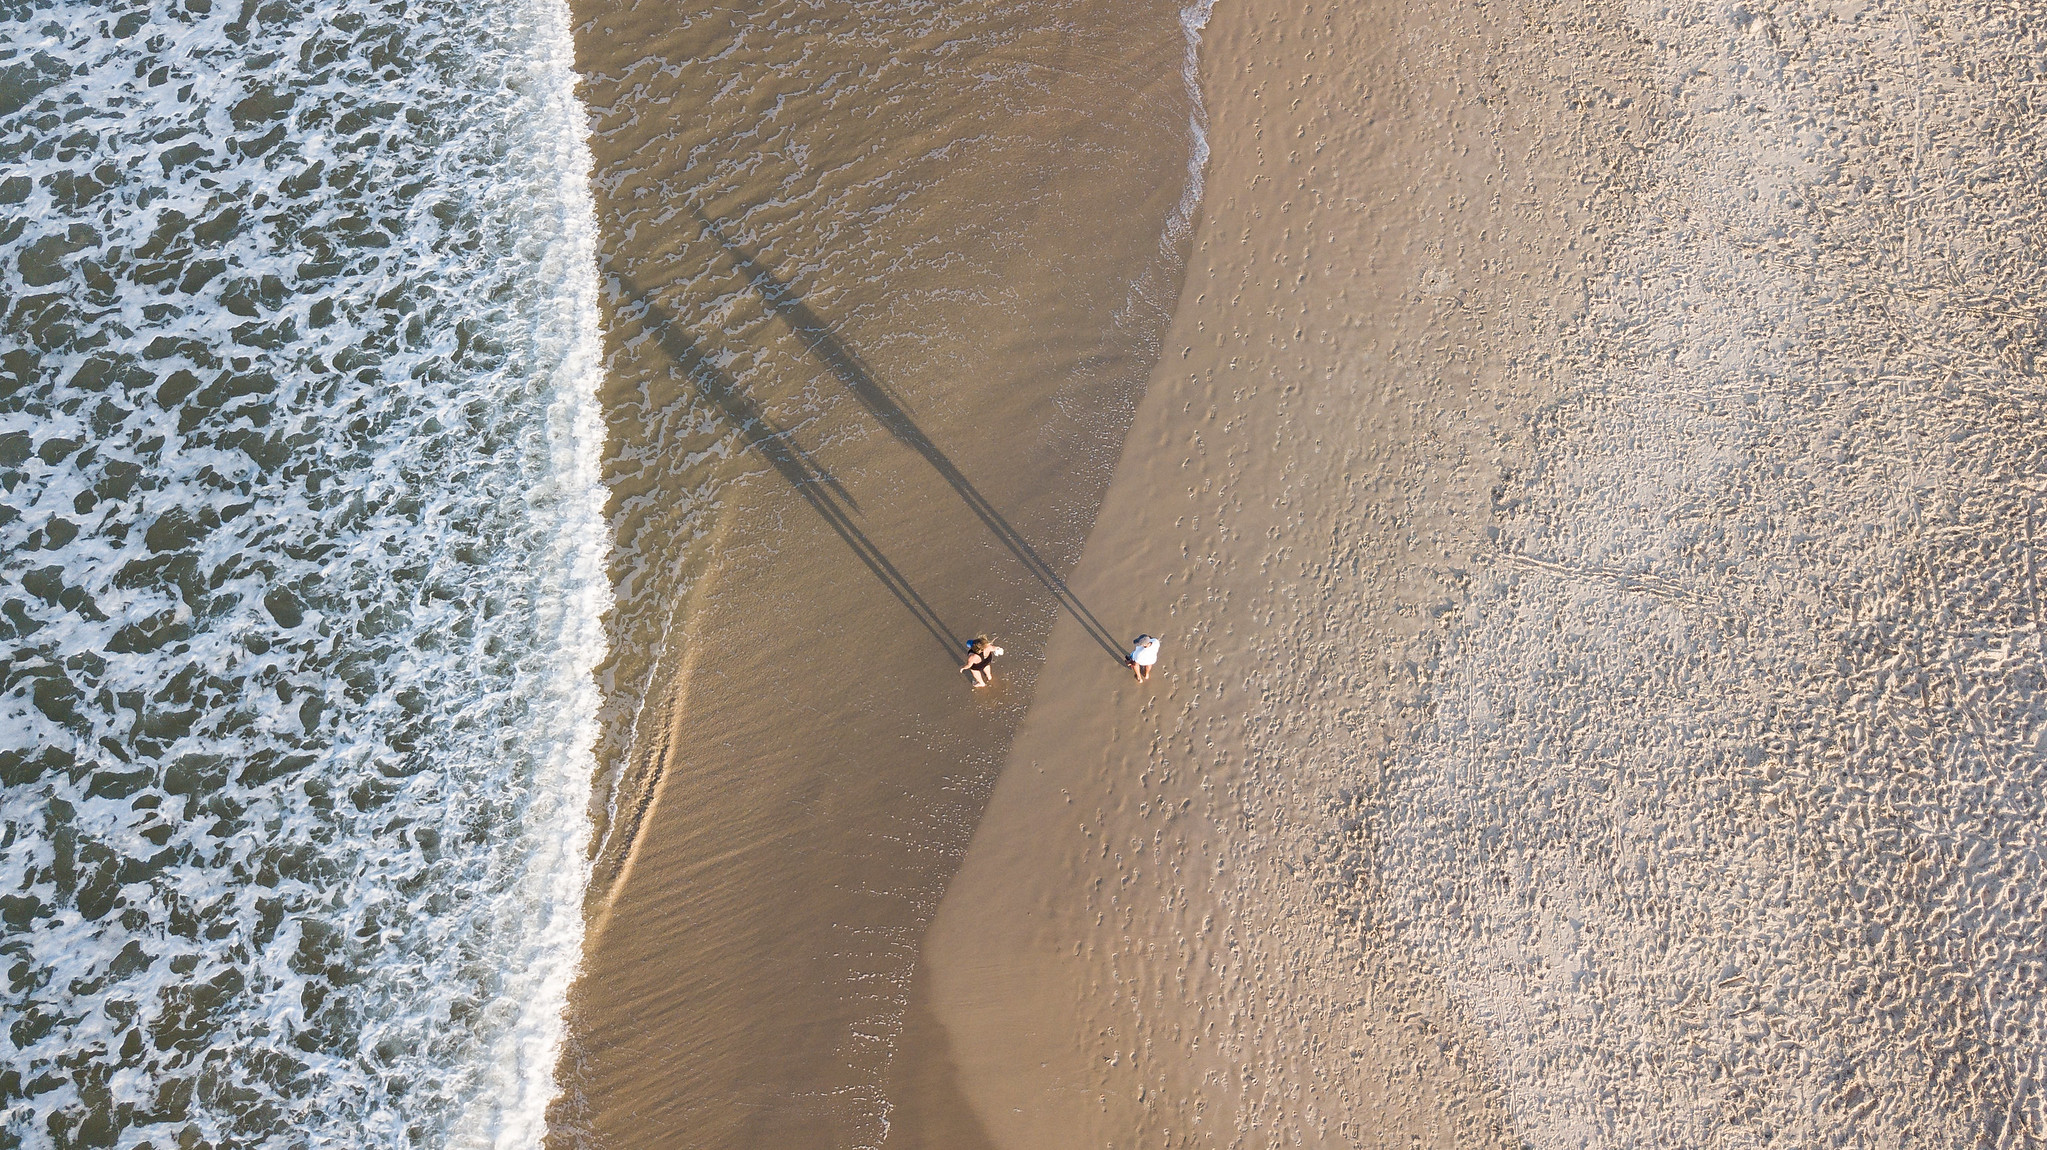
(1144, 652)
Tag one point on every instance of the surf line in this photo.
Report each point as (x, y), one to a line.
(517, 1081)
(1193, 21)
(888, 410)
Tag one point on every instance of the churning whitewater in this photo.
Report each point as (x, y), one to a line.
(303, 576)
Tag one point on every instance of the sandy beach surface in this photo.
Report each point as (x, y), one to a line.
(1588, 499)
(1586, 486)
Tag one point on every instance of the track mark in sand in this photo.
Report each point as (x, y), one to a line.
(1641, 582)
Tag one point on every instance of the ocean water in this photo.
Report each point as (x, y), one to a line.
(301, 569)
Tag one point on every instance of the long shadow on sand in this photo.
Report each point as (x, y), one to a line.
(888, 411)
(778, 447)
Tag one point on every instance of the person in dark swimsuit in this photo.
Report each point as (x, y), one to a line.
(980, 665)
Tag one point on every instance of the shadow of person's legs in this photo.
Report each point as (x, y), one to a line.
(888, 410)
(779, 448)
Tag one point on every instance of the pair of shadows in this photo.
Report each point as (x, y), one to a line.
(796, 467)
(810, 480)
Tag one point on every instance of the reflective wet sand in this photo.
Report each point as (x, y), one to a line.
(884, 284)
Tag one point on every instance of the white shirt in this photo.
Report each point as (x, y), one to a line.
(1146, 653)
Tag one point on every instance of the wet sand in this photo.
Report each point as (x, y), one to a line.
(1162, 934)
(884, 283)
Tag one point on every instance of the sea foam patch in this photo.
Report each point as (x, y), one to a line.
(302, 569)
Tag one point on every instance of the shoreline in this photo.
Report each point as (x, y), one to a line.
(1154, 938)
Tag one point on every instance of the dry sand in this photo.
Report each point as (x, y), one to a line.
(1725, 821)
(1589, 502)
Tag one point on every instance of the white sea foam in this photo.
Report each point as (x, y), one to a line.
(1155, 288)
(1193, 21)
(509, 1108)
(302, 570)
